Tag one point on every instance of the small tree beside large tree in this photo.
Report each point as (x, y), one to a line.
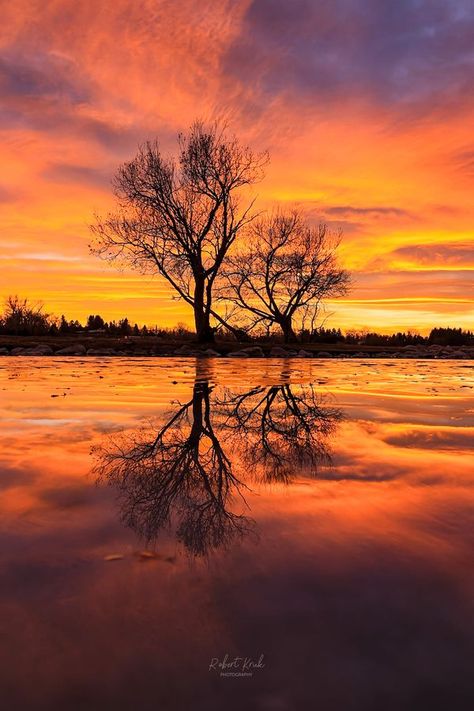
(178, 216)
(283, 274)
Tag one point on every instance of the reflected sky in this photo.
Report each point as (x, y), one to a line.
(351, 570)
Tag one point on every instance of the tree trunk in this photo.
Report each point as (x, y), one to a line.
(199, 392)
(204, 332)
(289, 335)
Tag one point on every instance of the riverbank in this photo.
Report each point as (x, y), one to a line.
(152, 346)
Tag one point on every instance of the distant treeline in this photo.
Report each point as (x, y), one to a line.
(437, 336)
(22, 318)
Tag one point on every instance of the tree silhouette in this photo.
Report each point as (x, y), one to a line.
(284, 272)
(180, 216)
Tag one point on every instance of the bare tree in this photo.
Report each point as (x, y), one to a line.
(179, 216)
(23, 318)
(285, 271)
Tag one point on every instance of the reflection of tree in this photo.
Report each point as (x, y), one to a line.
(280, 430)
(183, 473)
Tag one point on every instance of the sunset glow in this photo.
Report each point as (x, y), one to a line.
(366, 109)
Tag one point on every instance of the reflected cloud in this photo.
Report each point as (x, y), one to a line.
(438, 439)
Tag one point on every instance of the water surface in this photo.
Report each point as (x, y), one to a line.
(161, 514)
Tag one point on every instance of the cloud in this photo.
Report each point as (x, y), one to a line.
(403, 285)
(12, 476)
(67, 496)
(48, 92)
(356, 221)
(7, 196)
(408, 52)
(40, 75)
(348, 211)
(433, 439)
(37, 86)
(448, 256)
(464, 161)
(41, 257)
(68, 172)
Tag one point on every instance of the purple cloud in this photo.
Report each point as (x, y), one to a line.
(410, 52)
(457, 254)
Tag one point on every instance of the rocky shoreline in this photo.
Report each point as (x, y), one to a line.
(132, 349)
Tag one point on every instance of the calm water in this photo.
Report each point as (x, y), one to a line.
(158, 515)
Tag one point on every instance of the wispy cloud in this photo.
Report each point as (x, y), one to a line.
(447, 256)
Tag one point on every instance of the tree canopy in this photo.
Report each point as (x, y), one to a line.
(179, 215)
(283, 273)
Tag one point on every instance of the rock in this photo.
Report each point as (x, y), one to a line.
(323, 354)
(238, 354)
(304, 354)
(101, 352)
(187, 354)
(41, 350)
(4, 351)
(278, 352)
(17, 351)
(460, 354)
(210, 353)
(253, 351)
(75, 350)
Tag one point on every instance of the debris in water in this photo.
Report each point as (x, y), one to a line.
(147, 555)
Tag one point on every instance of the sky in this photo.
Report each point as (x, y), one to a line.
(365, 106)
